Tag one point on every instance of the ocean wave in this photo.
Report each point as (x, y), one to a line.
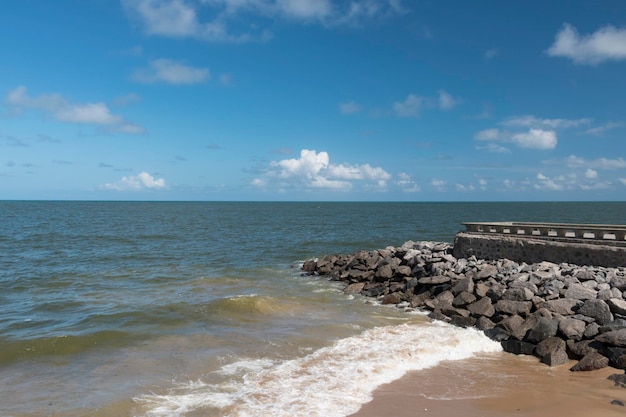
(333, 381)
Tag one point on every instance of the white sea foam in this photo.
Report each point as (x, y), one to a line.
(332, 381)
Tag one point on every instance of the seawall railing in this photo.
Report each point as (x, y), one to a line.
(589, 232)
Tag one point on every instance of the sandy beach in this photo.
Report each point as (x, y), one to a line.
(499, 385)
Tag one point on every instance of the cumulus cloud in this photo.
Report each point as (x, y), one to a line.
(531, 139)
(171, 72)
(349, 108)
(548, 184)
(446, 101)
(407, 184)
(591, 174)
(59, 108)
(142, 181)
(439, 184)
(535, 139)
(527, 132)
(607, 43)
(183, 18)
(314, 170)
(410, 107)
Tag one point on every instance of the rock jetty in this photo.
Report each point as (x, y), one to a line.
(556, 312)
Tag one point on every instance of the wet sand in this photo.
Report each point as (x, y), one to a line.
(499, 385)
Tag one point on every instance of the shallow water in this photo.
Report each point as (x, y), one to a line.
(115, 308)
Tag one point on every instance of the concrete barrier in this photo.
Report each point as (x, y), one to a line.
(599, 245)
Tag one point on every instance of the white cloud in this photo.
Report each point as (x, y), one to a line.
(169, 18)
(600, 130)
(573, 161)
(183, 18)
(406, 182)
(349, 108)
(142, 181)
(547, 184)
(535, 139)
(532, 121)
(591, 174)
(607, 43)
(439, 184)
(410, 107)
(489, 135)
(622, 180)
(314, 170)
(446, 101)
(532, 139)
(172, 72)
(59, 108)
(465, 188)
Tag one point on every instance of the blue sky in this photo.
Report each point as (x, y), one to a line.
(376, 100)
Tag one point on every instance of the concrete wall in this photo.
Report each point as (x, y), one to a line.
(529, 250)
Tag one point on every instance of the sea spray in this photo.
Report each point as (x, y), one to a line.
(333, 381)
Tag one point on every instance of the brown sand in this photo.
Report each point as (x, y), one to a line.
(499, 385)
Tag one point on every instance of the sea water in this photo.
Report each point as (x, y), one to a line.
(200, 309)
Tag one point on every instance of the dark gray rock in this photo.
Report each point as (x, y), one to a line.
(562, 306)
(618, 379)
(435, 280)
(544, 329)
(384, 273)
(572, 328)
(497, 333)
(482, 307)
(584, 347)
(615, 338)
(617, 356)
(580, 292)
(591, 362)
(515, 326)
(513, 307)
(464, 285)
(483, 323)
(463, 299)
(518, 347)
(461, 321)
(617, 324)
(597, 309)
(487, 271)
(518, 294)
(393, 298)
(551, 351)
(617, 306)
(354, 288)
(592, 330)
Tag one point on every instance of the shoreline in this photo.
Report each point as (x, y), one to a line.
(502, 385)
(568, 317)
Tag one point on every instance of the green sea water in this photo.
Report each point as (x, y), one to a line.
(174, 308)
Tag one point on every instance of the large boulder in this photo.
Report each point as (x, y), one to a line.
(482, 307)
(614, 338)
(598, 310)
(544, 329)
(591, 362)
(562, 306)
(513, 307)
(572, 328)
(551, 351)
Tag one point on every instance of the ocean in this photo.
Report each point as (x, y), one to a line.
(200, 309)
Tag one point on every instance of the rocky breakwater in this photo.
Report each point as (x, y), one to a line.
(556, 312)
